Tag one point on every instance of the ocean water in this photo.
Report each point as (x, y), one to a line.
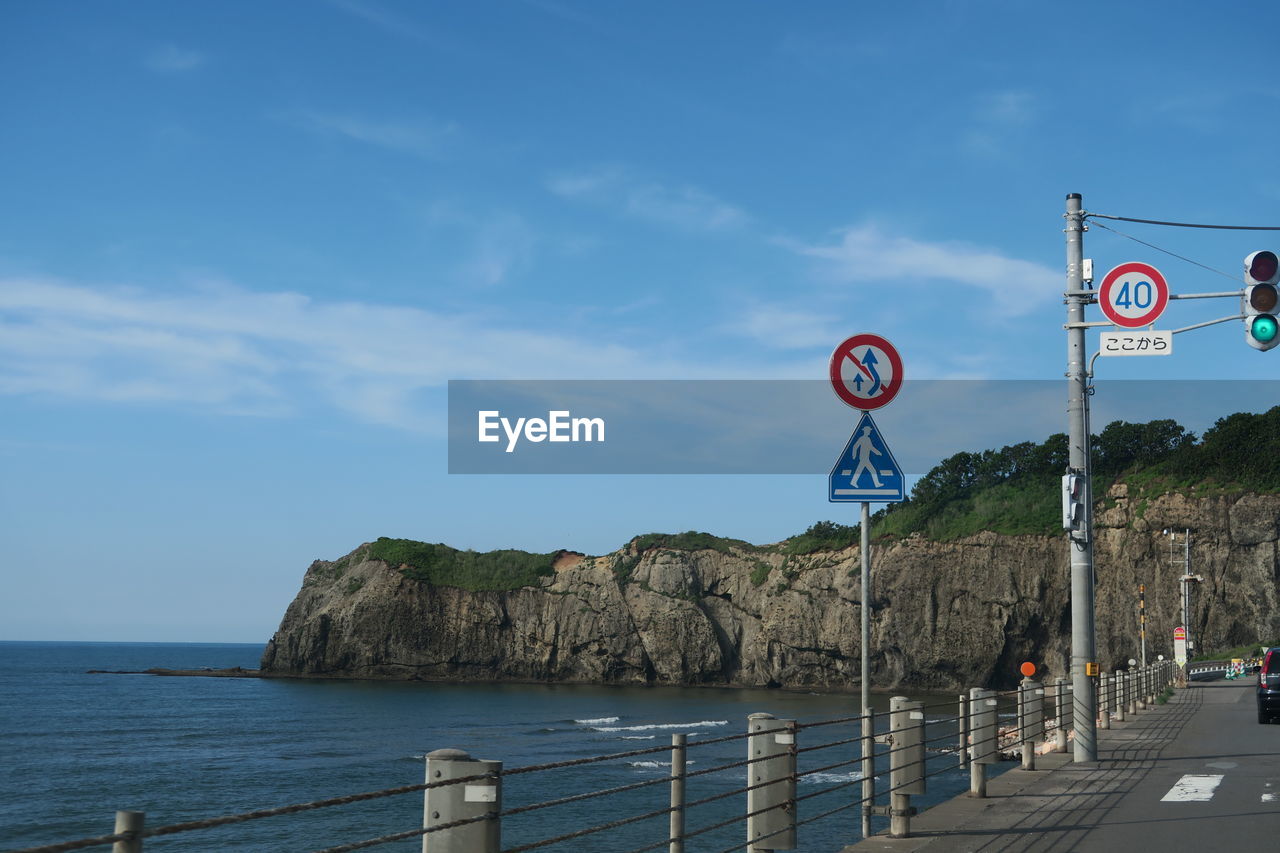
(75, 747)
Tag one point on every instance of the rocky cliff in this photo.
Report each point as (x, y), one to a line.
(945, 615)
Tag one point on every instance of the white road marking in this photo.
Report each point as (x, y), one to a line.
(1191, 789)
(1271, 798)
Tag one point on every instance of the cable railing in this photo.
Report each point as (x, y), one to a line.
(463, 805)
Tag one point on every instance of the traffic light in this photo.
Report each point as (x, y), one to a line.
(1073, 501)
(1261, 273)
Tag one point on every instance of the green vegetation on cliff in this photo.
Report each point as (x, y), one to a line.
(1016, 489)
(690, 540)
(444, 566)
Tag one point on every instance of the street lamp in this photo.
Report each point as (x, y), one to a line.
(1185, 581)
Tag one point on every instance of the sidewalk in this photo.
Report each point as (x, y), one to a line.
(1053, 807)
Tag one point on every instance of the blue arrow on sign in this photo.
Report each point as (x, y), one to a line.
(866, 469)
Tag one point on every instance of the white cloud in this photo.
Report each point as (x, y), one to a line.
(867, 254)
(231, 350)
(684, 207)
(423, 137)
(171, 59)
(779, 327)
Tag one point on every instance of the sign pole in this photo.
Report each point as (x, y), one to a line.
(1084, 705)
(868, 744)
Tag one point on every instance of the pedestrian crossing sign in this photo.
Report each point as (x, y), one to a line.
(866, 470)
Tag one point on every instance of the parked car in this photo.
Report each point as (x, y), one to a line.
(1269, 686)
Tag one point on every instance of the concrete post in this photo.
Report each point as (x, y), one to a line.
(982, 746)
(127, 821)
(479, 798)
(1104, 700)
(678, 745)
(1030, 719)
(1060, 702)
(772, 790)
(906, 762)
(1131, 690)
(1121, 700)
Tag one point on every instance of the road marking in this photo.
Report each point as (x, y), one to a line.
(1192, 789)
(1271, 798)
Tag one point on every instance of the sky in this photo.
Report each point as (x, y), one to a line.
(244, 248)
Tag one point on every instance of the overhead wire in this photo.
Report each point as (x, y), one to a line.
(1160, 249)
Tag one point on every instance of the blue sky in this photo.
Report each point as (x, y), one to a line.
(245, 245)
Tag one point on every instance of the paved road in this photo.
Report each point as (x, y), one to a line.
(1196, 774)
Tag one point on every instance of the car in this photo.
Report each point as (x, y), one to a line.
(1269, 686)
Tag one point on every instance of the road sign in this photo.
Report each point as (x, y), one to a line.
(866, 371)
(1137, 342)
(866, 469)
(1133, 294)
(1180, 646)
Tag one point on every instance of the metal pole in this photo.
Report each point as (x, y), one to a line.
(868, 716)
(866, 606)
(1186, 586)
(128, 822)
(1082, 627)
(677, 793)
(1142, 620)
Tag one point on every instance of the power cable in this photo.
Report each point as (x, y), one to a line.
(1159, 249)
(1186, 224)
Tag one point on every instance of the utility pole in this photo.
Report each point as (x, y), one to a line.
(1084, 705)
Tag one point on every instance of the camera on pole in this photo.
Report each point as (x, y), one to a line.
(1261, 274)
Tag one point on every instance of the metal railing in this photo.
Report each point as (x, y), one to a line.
(463, 808)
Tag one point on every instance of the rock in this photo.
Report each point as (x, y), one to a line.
(945, 615)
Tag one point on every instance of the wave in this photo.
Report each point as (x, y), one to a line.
(661, 726)
(638, 737)
(597, 722)
(829, 778)
(654, 765)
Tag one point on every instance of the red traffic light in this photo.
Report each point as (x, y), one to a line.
(1262, 267)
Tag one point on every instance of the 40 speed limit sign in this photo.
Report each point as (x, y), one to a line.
(1133, 295)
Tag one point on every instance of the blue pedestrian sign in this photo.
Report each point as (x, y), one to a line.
(866, 470)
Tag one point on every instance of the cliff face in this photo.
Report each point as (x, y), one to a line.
(944, 615)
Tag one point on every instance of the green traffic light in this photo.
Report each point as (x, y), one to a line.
(1264, 328)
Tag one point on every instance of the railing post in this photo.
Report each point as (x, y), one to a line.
(1131, 690)
(771, 748)
(1030, 719)
(1152, 690)
(480, 798)
(1104, 700)
(963, 724)
(127, 821)
(982, 746)
(906, 762)
(868, 769)
(1122, 700)
(1140, 688)
(1060, 706)
(678, 747)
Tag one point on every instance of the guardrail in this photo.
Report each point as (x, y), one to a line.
(463, 807)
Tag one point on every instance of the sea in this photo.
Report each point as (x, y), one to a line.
(76, 746)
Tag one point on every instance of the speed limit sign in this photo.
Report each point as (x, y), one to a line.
(1133, 295)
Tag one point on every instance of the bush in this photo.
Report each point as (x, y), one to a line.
(690, 540)
(441, 565)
